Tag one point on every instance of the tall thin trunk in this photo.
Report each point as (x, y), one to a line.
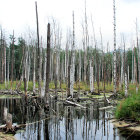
(5, 65)
(138, 51)
(34, 56)
(79, 66)
(55, 71)
(38, 57)
(128, 74)
(8, 65)
(114, 18)
(132, 66)
(72, 68)
(44, 80)
(125, 74)
(135, 70)
(91, 77)
(12, 65)
(2, 56)
(48, 63)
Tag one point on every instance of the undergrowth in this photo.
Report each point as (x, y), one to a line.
(129, 107)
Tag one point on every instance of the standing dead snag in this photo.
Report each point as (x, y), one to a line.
(72, 67)
(48, 63)
(125, 73)
(38, 58)
(8, 120)
(91, 78)
(114, 54)
(12, 65)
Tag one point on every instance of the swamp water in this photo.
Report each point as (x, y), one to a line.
(61, 122)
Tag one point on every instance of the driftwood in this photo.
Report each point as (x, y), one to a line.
(11, 128)
(72, 103)
(103, 108)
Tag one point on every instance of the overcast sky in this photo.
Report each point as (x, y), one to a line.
(20, 15)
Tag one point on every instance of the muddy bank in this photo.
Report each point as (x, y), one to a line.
(6, 136)
(131, 129)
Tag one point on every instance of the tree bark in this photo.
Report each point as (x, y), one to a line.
(48, 63)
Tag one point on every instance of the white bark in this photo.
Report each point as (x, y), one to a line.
(34, 56)
(71, 80)
(40, 67)
(126, 85)
(114, 18)
(122, 73)
(128, 74)
(44, 80)
(91, 78)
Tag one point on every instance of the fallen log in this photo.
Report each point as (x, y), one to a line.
(72, 103)
(3, 128)
(107, 107)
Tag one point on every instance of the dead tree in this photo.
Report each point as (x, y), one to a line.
(114, 54)
(72, 68)
(38, 46)
(138, 51)
(48, 63)
(125, 73)
(34, 56)
(12, 63)
(2, 57)
(5, 71)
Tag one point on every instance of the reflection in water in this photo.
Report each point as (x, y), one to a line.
(61, 122)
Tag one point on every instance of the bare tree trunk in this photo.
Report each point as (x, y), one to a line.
(132, 67)
(115, 78)
(2, 55)
(122, 72)
(44, 80)
(48, 63)
(72, 68)
(5, 65)
(91, 78)
(97, 62)
(128, 74)
(28, 64)
(138, 51)
(135, 70)
(55, 71)
(34, 56)
(79, 66)
(38, 57)
(12, 65)
(40, 66)
(125, 73)
(8, 65)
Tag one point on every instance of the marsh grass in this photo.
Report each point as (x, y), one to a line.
(129, 108)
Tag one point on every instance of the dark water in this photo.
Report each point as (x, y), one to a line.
(61, 122)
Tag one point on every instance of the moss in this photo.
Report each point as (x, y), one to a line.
(9, 96)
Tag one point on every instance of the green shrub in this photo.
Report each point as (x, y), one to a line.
(129, 108)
